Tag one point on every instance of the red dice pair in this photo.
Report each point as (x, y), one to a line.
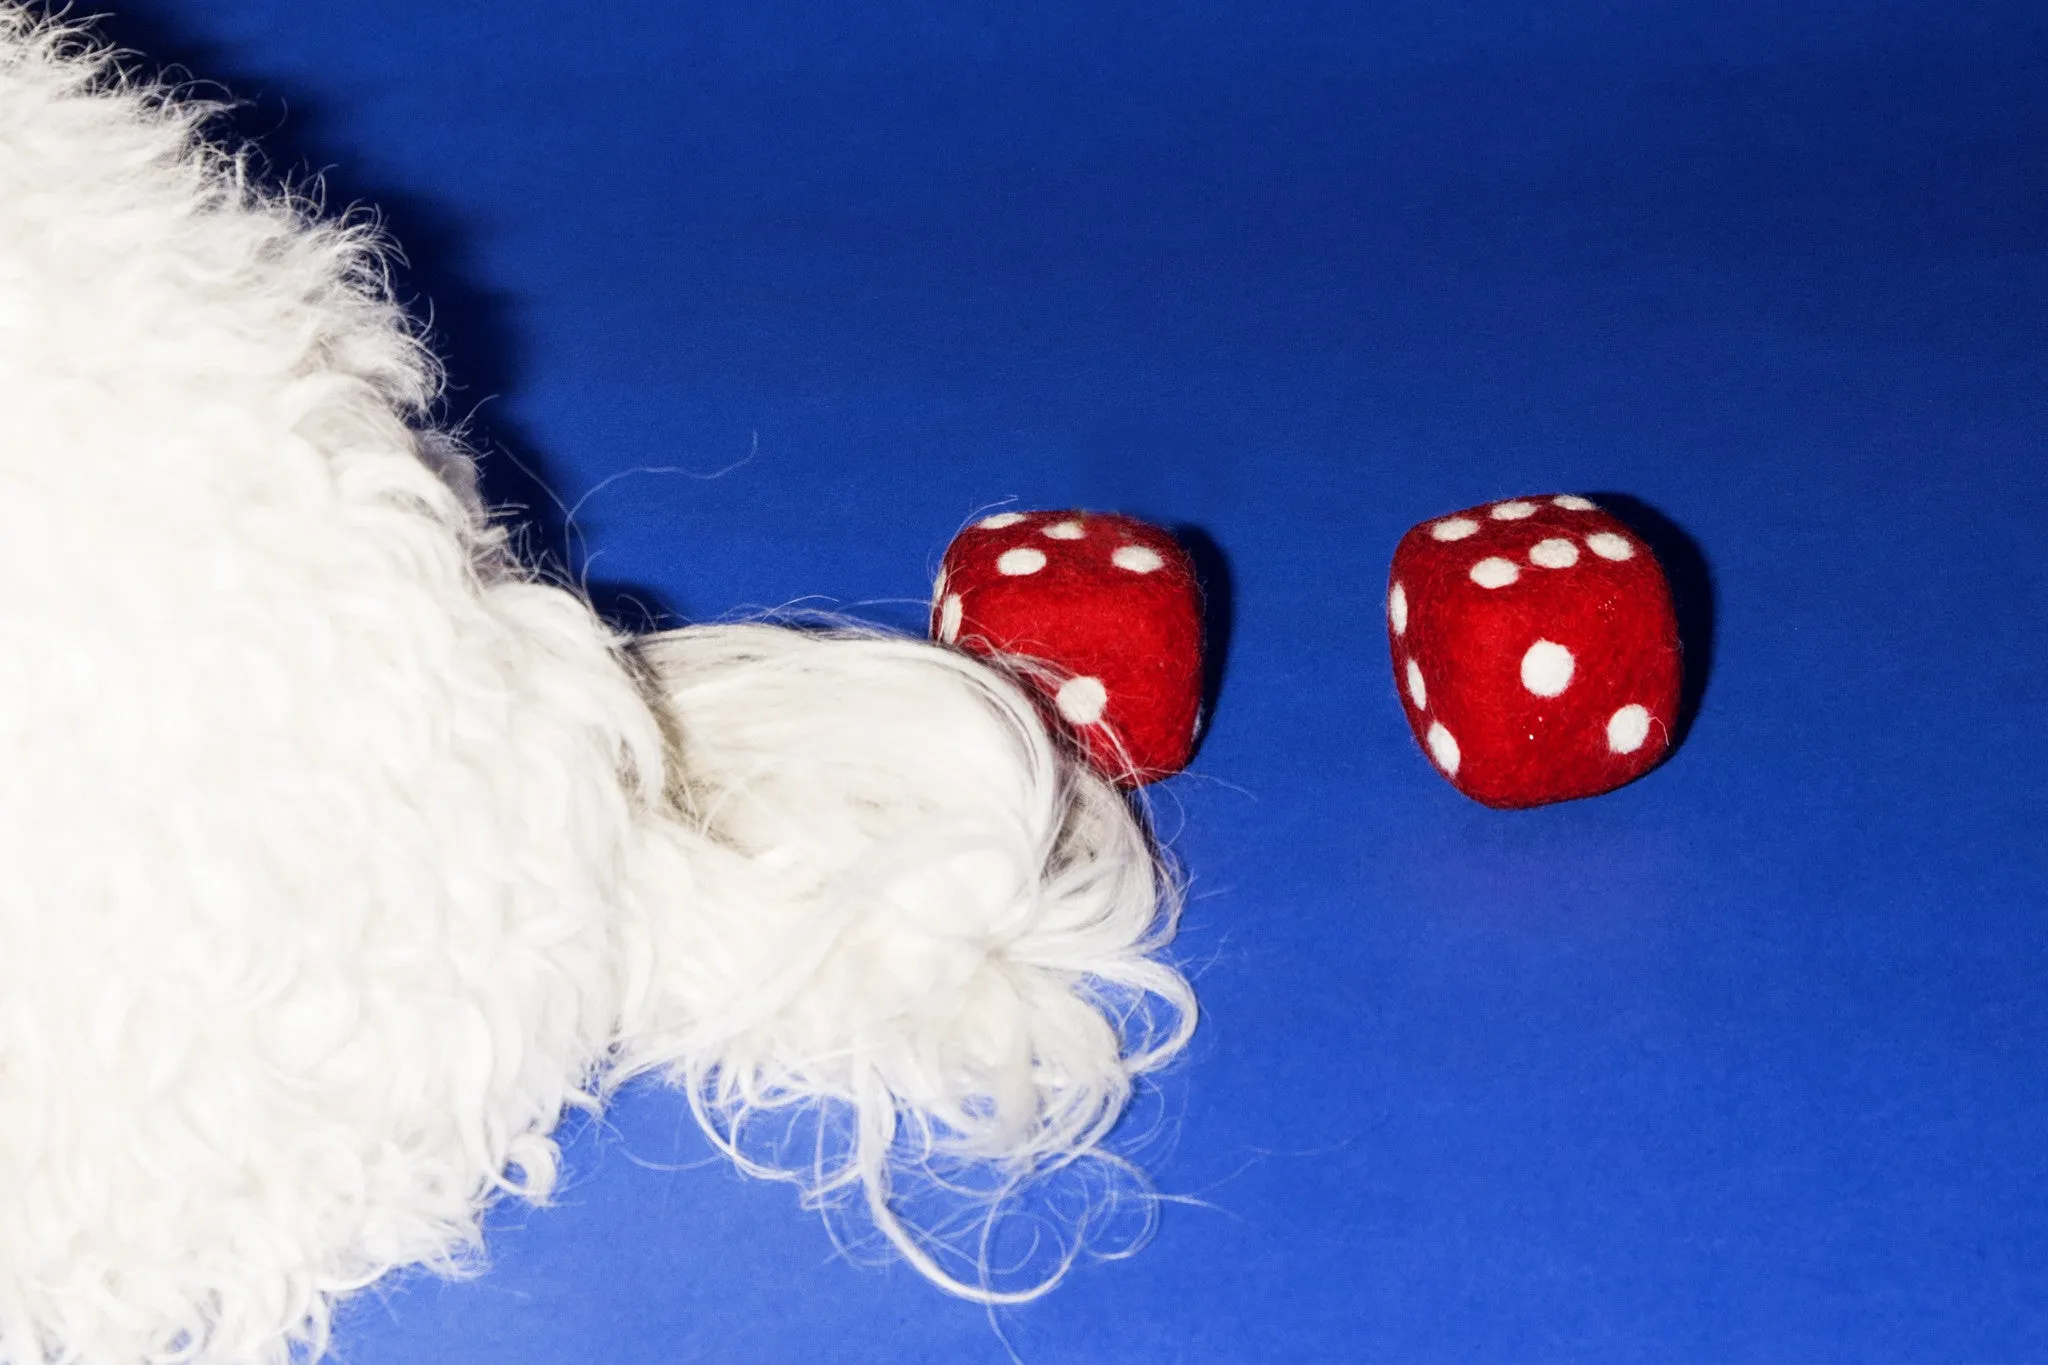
(1535, 649)
(1109, 605)
(1534, 641)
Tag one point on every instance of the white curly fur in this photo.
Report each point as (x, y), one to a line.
(339, 855)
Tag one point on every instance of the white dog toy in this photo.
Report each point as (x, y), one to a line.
(342, 855)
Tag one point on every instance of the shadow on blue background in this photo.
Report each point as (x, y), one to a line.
(471, 325)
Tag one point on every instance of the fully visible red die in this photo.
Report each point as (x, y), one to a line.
(1110, 604)
(1535, 649)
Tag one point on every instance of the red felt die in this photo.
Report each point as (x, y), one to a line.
(1110, 604)
(1535, 649)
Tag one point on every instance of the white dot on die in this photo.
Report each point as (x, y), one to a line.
(949, 618)
(1063, 530)
(1495, 573)
(999, 521)
(1512, 511)
(1628, 728)
(1016, 563)
(1572, 502)
(1397, 609)
(1554, 554)
(1418, 693)
(1443, 748)
(1453, 528)
(1137, 558)
(1608, 545)
(1081, 700)
(1547, 668)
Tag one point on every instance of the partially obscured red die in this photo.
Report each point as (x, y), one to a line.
(1110, 603)
(1535, 649)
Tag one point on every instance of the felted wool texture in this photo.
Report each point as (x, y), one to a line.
(341, 855)
(1101, 612)
(1472, 594)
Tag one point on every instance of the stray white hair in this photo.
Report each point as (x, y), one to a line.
(340, 854)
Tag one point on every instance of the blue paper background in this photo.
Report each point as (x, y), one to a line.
(1743, 1063)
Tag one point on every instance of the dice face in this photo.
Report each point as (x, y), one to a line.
(1110, 603)
(1535, 649)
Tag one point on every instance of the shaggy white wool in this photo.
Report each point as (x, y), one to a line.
(338, 855)
(912, 900)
